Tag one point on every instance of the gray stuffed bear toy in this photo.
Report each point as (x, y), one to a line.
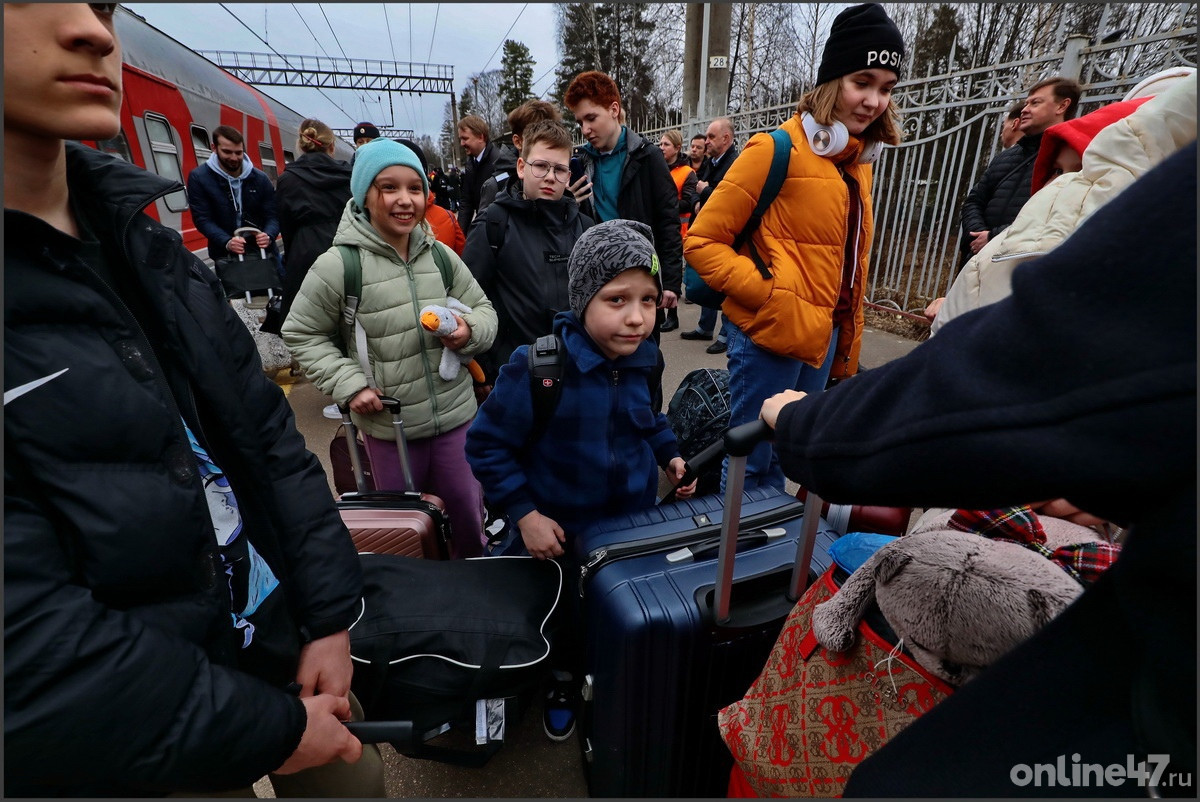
(958, 600)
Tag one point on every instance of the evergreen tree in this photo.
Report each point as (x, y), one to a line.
(613, 38)
(931, 50)
(516, 75)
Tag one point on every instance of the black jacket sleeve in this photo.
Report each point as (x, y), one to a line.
(478, 256)
(688, 197)
(200, 202)
(76, 672)
(664, 221)
(1050, 393)
(976, 201)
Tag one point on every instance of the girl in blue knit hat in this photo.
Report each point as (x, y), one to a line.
(385, 221)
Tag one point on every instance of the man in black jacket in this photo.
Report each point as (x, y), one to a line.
(629, 178)
(178, 584)
(473, 135)
(228, 192)
(720, 150)
(1049, 394)
(993, 203)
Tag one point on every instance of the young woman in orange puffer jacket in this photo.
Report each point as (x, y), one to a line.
(798, 319)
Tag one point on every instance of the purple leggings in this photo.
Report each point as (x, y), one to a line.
(439, 466)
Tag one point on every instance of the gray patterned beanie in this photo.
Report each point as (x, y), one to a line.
(605, 250)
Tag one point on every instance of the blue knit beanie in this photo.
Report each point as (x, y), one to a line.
(373, 158)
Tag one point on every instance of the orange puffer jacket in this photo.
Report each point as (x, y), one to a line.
(802, 239)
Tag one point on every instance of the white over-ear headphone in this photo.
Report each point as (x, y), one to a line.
(830, 140)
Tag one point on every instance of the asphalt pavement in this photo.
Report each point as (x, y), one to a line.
(529, 765)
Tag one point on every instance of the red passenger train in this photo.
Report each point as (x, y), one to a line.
(173, 98)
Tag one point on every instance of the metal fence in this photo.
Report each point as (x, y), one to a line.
(951, 127)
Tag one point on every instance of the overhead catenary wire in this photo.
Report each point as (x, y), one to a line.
(538, 80)
(503, 39)
(362, 103)
(436, 12)
(285, 61)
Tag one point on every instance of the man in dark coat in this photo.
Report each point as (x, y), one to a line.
(473, 135)
(228, 192)
(720, 152)
(993, 203)
(1049, 394)
(178, 585)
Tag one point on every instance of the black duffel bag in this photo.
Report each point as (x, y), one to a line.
(440, 640)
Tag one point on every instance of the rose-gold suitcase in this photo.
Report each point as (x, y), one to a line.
(406, 522)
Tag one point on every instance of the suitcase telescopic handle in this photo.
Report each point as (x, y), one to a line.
(392, 405)
(252, 231)
(738, 443)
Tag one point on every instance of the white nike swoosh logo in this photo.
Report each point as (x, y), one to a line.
(17, 392)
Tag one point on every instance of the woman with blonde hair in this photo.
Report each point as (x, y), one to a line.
(310, 195)
(794, 290)
(671, 145)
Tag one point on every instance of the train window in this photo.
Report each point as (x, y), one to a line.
(166, 157)
(200, 144)
(267, 155)
(117, 146)
(288, 157)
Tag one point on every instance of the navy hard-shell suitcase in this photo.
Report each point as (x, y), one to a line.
(669, 644)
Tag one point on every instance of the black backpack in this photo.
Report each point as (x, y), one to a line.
(699, 415)
(546, 358)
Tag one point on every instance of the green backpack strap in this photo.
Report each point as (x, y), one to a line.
(771, 187)
(443, 263)
(351, 329)
(352, 289)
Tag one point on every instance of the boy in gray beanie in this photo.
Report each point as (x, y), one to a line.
(596, 453)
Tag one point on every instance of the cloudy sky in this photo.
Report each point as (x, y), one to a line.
(466, 36)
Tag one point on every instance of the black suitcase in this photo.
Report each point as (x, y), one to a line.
(668, 644)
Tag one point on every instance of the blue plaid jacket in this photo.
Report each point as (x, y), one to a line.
(598, 455)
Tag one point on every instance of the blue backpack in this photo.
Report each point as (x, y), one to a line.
(699, 292)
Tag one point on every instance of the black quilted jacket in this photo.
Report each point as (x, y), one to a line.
(119, 650)
(1006, 185)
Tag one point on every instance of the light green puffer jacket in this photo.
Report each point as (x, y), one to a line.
(403, 356)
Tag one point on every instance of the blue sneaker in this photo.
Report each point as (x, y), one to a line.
(558, 714)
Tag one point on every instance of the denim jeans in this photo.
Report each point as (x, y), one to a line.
(708, 322)
(755, 375)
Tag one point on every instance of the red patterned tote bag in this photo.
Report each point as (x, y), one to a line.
(813, 715)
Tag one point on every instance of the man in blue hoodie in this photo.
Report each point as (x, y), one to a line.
(228, 192)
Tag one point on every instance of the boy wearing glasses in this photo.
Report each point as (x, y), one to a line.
(519, 245)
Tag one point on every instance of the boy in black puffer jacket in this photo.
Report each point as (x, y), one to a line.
(178, 585)
(519, 245)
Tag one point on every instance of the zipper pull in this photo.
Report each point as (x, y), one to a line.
(593, 561)
(615, 375)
